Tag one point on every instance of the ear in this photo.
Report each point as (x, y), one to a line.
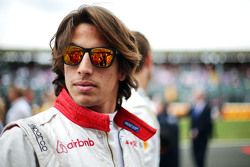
(121, 76)
(148, 60)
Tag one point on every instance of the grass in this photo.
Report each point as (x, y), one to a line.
(222, 129)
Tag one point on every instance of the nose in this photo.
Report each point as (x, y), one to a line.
(85, 67)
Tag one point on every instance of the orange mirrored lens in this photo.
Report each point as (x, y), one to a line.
(73, 55)
(101, 57)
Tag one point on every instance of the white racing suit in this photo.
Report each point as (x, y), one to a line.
(70, 135)
(140, 105)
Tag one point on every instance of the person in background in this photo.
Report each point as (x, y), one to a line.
(29, 96)
(19, 107)
(94, 56)
(2, 113)
(48, 99)
(169, 137)
(140, 104)
(201, 126)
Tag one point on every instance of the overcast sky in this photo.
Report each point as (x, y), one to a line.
(168, 24)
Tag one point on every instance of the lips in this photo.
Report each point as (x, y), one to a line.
(85, 86)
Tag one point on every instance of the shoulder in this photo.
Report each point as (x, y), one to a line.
(138, 102)
(15, 148)
(142, 107)
(23, 125)
(134, 100)
(45, 116)
(12, 138)
(15, 128)
(12, 132)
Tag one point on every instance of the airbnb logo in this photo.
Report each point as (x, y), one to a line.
(64, 148)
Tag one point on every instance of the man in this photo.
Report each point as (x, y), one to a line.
(201, 127)
(94, 55)
(141, 105)
(19, 106)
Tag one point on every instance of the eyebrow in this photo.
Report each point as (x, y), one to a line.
(107, 47)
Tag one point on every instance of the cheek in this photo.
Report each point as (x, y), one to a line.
(67, 74)
(68, 70)
(65, 71)
(109, 79)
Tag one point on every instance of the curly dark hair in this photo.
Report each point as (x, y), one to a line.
(114, 32)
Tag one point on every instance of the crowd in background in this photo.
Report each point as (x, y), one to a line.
(33, 77)
(222, 82)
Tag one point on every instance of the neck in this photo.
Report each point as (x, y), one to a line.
(142, 77)
(105, 109)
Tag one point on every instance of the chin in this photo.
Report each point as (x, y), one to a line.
(83, 102)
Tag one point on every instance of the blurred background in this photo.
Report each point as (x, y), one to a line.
(196, 44)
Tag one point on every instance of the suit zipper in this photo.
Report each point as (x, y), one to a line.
(121, 147)
(110, 148)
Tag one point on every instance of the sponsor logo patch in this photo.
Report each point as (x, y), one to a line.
(39, 137)
(131, 143)
(66, 147)
(131, 126)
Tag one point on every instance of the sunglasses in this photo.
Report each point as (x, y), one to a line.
(101, 57)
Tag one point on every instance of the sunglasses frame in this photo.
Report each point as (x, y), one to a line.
(88, 50)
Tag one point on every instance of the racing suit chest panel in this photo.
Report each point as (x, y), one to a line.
(59, 142)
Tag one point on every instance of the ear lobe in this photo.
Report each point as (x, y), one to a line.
(148, 60)
(121, 77)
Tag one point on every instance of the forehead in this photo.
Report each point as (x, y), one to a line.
(87, 35)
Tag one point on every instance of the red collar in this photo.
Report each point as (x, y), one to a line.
(90, 119)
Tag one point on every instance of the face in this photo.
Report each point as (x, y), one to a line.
(90, 86)
(12, 95)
